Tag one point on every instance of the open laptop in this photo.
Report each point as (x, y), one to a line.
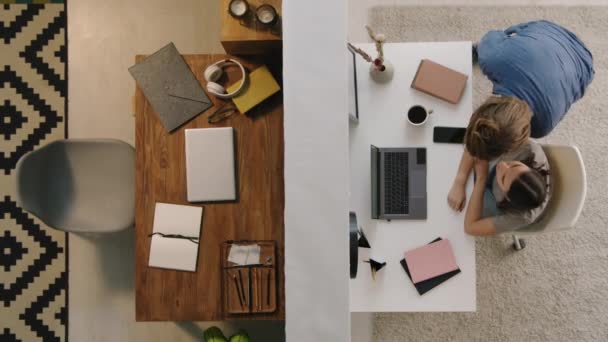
(398, 183)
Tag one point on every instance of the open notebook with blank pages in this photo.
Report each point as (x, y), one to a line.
(181, 227)
(210, 164)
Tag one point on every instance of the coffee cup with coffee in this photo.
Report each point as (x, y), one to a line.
(417, 115)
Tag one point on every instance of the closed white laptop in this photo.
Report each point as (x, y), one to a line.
(210, 164)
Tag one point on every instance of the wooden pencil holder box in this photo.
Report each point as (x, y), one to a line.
(249, 289)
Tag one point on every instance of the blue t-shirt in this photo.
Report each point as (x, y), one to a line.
(541, 63)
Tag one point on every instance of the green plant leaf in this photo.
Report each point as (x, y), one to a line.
(240, 336)
(214, 334)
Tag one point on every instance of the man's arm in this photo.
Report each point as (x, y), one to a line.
(464, 168)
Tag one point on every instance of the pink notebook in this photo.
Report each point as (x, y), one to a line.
(431, 260)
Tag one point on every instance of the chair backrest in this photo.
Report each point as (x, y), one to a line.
(569, 189)
(33, 178)
(79, 185)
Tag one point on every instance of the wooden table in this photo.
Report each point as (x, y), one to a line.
(167, 295)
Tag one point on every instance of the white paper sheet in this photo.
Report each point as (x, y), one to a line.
(175, 253)
(244, 255)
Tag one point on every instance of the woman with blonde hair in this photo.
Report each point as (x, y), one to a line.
(500, 125)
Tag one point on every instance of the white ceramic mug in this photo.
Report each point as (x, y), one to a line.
(417, 115)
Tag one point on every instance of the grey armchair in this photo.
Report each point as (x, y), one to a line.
(79, 185)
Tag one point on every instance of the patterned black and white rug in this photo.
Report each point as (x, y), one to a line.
(33, 105)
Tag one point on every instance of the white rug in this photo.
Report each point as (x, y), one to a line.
(557, 288)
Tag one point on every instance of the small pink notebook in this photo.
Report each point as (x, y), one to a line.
(431, 260)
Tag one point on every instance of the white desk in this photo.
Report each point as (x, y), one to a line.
(382, 122)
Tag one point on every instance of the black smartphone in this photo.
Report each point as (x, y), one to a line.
(451, 135)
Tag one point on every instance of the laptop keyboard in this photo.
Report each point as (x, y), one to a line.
(396, 183)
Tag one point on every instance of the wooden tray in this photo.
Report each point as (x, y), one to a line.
(250, 289)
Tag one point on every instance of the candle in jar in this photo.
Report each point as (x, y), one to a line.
(238, 7)
(266, 14)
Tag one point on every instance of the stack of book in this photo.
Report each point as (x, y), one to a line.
(430, 265)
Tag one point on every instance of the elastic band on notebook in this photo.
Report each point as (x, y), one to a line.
(176, 236)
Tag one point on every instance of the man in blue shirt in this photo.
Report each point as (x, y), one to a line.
(540, 63)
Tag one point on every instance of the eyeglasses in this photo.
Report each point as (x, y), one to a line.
(222, 113)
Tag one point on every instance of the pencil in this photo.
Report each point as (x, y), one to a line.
(268, 289)
(238, 291)
(242, 287)
(259, 282)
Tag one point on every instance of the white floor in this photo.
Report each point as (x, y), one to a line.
(104, 37)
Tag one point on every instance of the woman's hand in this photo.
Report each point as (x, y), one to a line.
(481, 170)
(457, 196)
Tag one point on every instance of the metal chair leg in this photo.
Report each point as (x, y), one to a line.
(518, 244)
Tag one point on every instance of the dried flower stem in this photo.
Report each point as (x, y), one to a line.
(379, 42)
(362, 53)
(371, 33)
